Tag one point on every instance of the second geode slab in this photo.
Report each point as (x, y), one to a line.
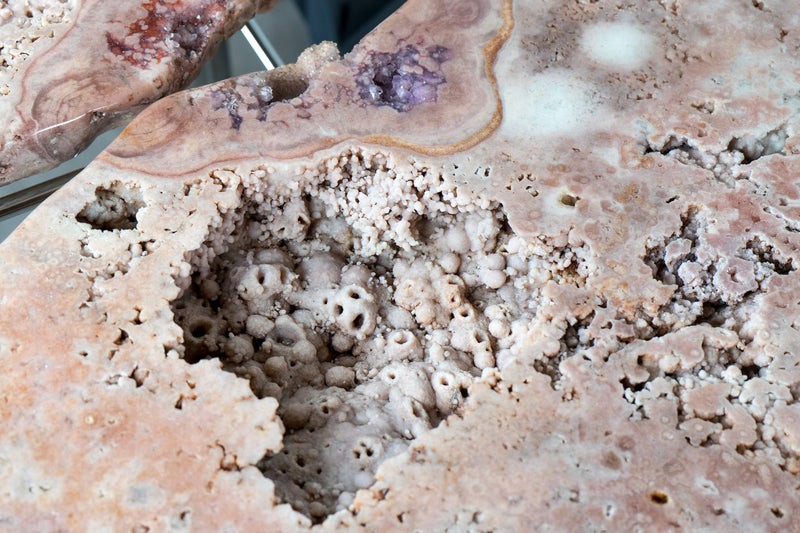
(505, 267)
(71, 69)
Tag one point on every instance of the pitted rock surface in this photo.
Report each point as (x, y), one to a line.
(505, 267)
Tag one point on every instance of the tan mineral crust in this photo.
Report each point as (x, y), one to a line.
(72, 69)
(507, 266)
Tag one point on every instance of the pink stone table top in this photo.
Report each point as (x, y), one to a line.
(507, 266)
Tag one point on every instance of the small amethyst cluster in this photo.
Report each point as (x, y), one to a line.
(262, 95)
(399, 80)
(227, 96)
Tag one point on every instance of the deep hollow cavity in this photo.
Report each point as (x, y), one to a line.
(114, 208)
(367, 304)
(368, 298)
(727, 165)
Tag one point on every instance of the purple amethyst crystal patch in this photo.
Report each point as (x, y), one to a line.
(400, 80)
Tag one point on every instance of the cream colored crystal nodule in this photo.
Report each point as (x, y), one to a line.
(507, 266)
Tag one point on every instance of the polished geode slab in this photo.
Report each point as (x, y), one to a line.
(507, 266)
(71, 69)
